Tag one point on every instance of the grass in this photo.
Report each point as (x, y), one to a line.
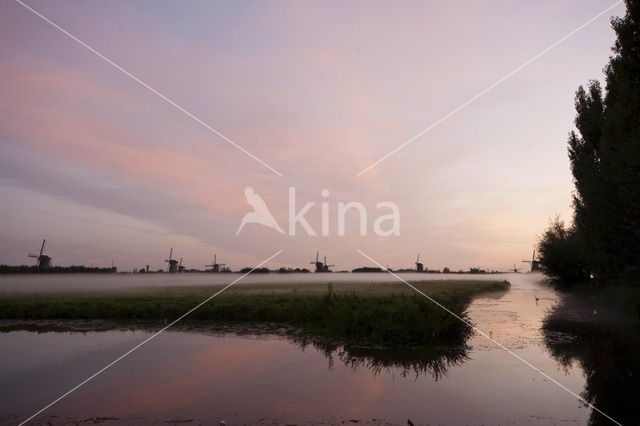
(380, 314)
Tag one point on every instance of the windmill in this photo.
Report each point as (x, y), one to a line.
(535, 265)
(180, 267)
(320, 266)
(514, 269)
(419, 266)
(317, 263)
(215, 267)
(42, 260)
(172, 263)
(325, 267)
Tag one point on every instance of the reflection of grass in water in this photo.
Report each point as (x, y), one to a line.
(427, 360)
(382, 313)
(432, 360)
(607, 351)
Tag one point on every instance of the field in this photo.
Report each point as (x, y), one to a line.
(388, 314)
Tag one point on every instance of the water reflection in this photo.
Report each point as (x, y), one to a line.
(432, 361)
(207, 374)
(606, 347)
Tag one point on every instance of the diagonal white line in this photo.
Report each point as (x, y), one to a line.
(136, 79)
(478, 95)
(500, 345)
(145, 341)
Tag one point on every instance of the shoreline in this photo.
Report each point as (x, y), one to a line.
(378, 314)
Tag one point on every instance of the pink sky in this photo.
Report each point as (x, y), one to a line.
(104, 169)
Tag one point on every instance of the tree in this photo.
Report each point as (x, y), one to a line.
(605, 162)
(620, 150)
(561, 254)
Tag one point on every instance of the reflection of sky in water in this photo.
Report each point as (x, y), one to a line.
(513, 318)
(244, 378)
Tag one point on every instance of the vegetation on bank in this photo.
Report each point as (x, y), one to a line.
(73, 269)
(374, 314)
(603, 242)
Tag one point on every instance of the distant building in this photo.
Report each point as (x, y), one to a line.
(535, 266)
(44, 261)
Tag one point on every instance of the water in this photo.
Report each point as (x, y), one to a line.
(203, 378)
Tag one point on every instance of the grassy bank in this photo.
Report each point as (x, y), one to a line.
(380, 313)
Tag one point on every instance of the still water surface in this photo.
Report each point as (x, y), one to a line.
(246, 379)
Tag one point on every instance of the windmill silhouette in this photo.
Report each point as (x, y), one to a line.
(325, 267)
(42, 260)
(419, 265)
(215, 267)
(260, 213)
(535, 265)
(320, 266)
(172, 263)
(317, 263)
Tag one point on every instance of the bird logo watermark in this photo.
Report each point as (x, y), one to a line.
(260, 214)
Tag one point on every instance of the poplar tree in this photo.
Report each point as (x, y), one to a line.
(604, 154)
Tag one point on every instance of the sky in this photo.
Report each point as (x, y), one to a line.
(106, 170)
